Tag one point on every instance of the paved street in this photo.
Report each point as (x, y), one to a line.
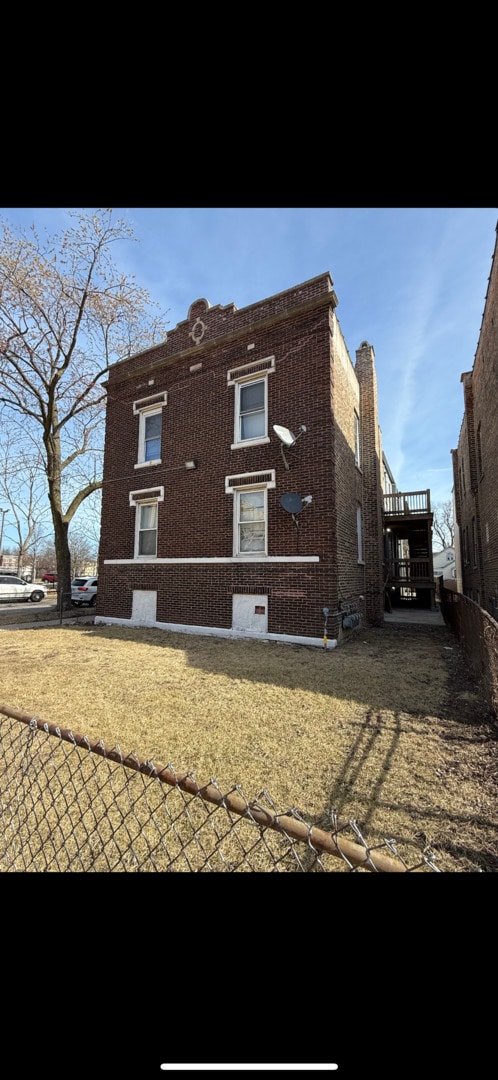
(49, 602)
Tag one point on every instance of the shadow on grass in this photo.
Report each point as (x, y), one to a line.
(407, 658)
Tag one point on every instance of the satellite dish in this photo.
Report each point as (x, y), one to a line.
(286, 437)
(291, 502)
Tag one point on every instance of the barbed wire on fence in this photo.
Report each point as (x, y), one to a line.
(68, 804)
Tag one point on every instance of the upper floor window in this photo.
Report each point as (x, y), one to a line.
(250, 410)
(474, 541)
(359, 534)
(149, 441)
(479, 451)
(357, 458)
(251, 401)
(465, 545)
(150, 413)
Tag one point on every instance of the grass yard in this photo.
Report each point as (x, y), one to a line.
(386, 729)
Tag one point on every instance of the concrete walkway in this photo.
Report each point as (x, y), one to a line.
(415, 616)
(48, 616)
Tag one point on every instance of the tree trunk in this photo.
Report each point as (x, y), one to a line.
(61, 531)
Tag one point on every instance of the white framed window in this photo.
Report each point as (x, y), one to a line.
(150, 414)
(250, 512)
(146, 520)
(250, 411)
(251, 402)
(359, 534)
(357, 455)
(146, 536)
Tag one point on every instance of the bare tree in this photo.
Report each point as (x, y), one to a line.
(66, 313)
(23, 492)
(443, 525)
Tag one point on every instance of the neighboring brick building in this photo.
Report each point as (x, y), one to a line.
(197, 534)
(475, 463)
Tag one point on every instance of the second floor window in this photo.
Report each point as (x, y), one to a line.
(359, 534)
(149, 448)
(357, 458)
(250, 411)
(150, 421)
(250, 383)
(465, 545)
(479, 452)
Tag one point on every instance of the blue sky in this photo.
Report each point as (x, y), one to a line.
(411, 281)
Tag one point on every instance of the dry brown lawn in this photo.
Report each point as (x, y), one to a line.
(387, 729)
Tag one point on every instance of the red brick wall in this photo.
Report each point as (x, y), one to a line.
(479, 425)
(313, 372)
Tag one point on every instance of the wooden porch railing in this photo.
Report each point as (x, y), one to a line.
(408, 571)
(405, 503)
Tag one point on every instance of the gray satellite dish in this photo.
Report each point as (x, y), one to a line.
(291, 502)
(286, 437)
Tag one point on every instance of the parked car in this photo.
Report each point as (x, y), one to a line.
(84, 591)
(51, 577)
(7, 570)
(15, 588)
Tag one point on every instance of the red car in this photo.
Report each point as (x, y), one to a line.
(50, 577)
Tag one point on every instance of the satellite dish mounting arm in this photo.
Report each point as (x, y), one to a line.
(284, 459)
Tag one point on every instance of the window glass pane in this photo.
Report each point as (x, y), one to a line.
(153, 426)
(152, 449)
(252, 410)
(153, 436)
(147, 543)
(252, 396)
(252, 521)
(359, 534)
(148, 515)
(356, 439)
(252, 506)
(252, 537)
(252, 425)
(147, 537)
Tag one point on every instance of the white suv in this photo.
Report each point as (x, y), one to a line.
(84, 591)
(15, 588)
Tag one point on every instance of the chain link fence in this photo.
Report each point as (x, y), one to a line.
(70, 805)
(477, 633)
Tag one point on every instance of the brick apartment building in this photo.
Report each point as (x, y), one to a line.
(211, 522)
(475, 464)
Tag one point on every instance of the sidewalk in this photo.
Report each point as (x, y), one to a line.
(49, 616)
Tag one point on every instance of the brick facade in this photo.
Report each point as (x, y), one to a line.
(293, 341)
(474, 462)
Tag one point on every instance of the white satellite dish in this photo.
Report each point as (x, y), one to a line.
(287, 439)
(285, 436)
